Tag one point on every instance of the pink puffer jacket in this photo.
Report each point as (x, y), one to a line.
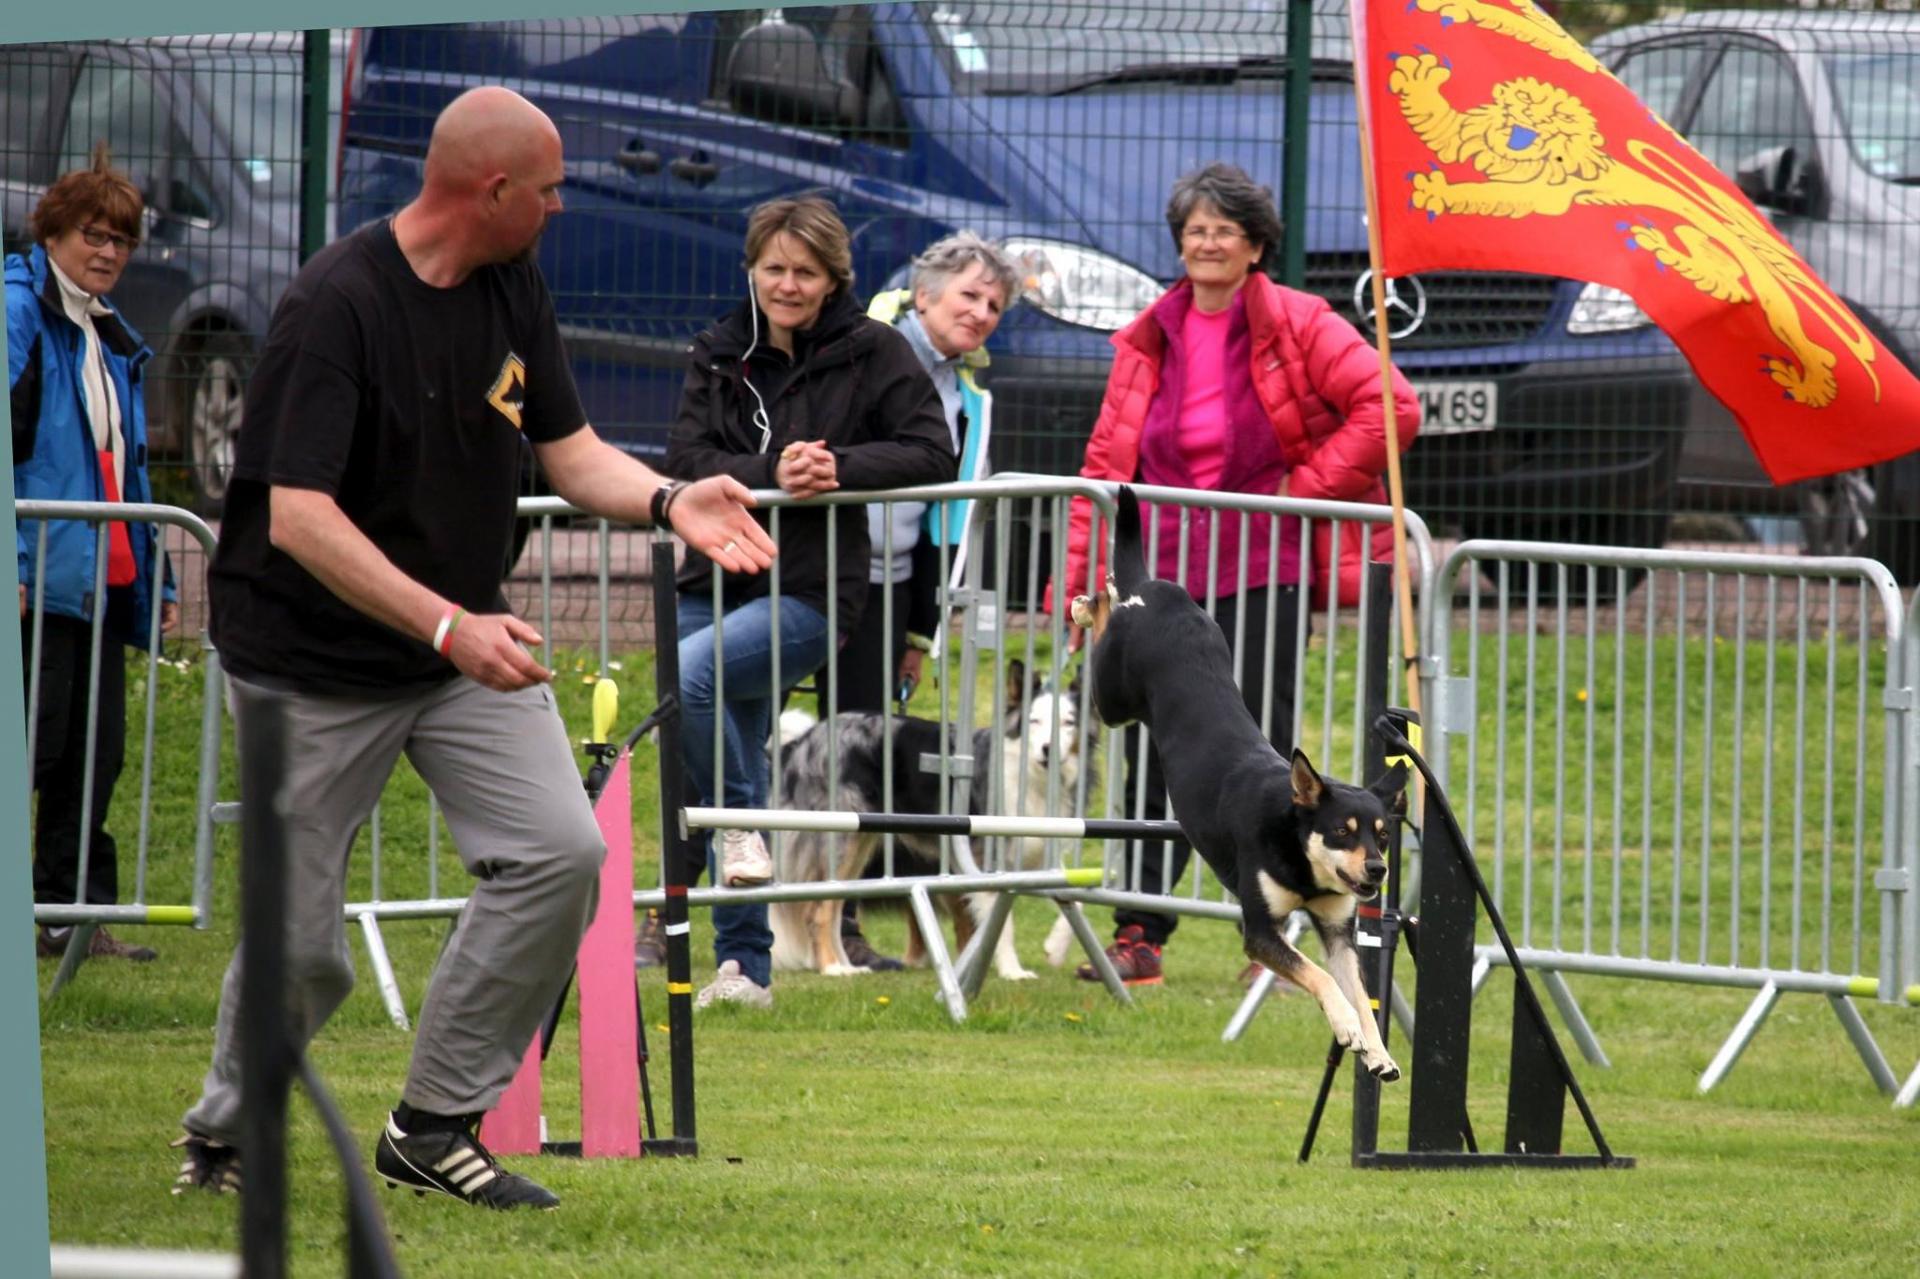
(1319, 382)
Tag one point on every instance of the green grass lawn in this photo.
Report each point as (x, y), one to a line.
(855, 1130)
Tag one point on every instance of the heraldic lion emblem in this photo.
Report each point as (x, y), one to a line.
(1540, 152)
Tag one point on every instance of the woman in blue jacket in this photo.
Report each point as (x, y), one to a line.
(79, 434)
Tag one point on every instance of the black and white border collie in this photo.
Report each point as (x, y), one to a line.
(1275, 832)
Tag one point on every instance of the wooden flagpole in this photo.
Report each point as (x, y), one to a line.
(1402, 575)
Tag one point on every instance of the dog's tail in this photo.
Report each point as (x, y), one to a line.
(1129, 557)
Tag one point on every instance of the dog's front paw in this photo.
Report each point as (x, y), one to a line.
(843, 970)
(1081, 610)
(1017, 973)
(1379, 1065)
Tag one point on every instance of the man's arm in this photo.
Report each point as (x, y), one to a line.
(310, 526)
(711, 515)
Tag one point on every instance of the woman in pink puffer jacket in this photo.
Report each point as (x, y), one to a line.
(1231, 383)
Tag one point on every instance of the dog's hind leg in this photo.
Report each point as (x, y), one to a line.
(915, 955)
(1343, 960)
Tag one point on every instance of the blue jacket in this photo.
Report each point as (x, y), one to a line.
(53, 453)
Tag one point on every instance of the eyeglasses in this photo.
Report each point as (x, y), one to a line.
(99, 239)
(1212, 235)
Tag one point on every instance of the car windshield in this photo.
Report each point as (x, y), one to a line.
(255, 103)
(1879, 96)
(1056, 46)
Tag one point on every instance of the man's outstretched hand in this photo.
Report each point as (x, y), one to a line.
(712, 516)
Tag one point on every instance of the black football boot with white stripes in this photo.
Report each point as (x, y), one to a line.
(207, 1164)
(454, 1163)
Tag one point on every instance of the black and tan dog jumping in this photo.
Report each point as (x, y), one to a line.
(1279, 835)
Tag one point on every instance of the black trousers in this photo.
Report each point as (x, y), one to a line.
(1161, 869)
(864, 679)
(869, 661)
(60, 757)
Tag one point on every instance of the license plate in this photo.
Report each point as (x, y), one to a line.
(1456, 408)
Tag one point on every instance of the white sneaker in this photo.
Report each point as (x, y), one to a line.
(731, 986)
(744, 860)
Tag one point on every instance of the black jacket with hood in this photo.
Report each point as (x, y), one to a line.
(853, 382)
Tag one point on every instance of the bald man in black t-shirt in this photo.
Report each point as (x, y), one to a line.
(357, 586)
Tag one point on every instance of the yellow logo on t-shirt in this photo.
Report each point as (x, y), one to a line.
(509, 392)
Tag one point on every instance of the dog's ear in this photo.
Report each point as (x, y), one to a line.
(1308, 788)
(1016, 682)
(1391, 787)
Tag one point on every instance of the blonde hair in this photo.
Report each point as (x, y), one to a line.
(810, 220)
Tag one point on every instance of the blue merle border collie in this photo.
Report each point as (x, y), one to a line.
(1040, 728)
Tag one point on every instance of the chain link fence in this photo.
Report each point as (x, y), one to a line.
(1553, 410)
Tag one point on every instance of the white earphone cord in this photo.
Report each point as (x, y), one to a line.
(760, 418)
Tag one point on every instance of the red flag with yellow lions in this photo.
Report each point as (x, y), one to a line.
(1499, 143)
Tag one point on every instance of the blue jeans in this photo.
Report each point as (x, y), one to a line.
(746, 633)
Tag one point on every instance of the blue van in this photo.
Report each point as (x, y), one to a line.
(1552, 408)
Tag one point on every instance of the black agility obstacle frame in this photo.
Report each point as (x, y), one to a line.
(270, 1055)
(1440, 940)
(678, 871)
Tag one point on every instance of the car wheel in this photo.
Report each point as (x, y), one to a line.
(1638, 529)
(1895, 539)
(213, 386)
(1874, 511)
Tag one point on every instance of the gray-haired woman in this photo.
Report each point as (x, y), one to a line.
(959, 289)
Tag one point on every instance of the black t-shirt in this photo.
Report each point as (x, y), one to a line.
(407, 404)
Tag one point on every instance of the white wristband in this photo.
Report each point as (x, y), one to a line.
(445, 629)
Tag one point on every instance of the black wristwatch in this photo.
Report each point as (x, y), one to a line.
(662, 499)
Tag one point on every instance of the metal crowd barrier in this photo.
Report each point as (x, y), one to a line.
(1329, 711)
(1606, 706)
(997, 585)
(35, 518)
(994, 577)
(1902, 881)
(1726, 786)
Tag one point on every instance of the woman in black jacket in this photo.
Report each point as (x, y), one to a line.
(795, 389)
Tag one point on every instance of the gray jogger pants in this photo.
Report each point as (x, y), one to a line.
(503, 771)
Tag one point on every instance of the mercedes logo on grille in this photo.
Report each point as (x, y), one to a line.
(1406, 301)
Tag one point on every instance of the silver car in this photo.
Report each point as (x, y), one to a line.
(1816, 116)
(209, 128)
